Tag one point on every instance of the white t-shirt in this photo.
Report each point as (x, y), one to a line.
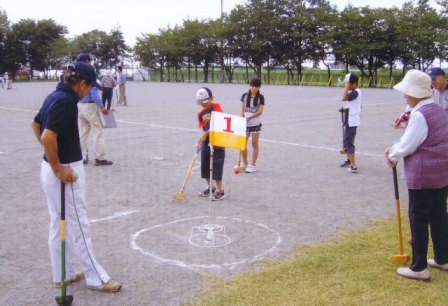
(354, 107)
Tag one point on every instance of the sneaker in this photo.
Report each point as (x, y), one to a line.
(432, 263)
(218, 195)
(250, 169)
(109, 287)
(103, 162)
(86, 160)
(353, 169)
(345, 163)
(408, 273)
(206, 192)
(78, 276)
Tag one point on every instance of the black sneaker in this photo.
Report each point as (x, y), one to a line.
(86, 160)
(345, 163)
(206, 192)
(218, 195)
(353, 169)
(103, 162)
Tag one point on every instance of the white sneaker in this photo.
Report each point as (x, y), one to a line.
(408, 273)
(250, 169)
(432, 263)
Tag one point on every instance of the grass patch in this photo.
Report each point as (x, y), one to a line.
(355, 269)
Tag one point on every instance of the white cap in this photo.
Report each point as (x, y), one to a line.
(203, 94)
(415, 84)
(347, 77)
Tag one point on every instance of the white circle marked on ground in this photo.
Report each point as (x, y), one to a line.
(170, 243)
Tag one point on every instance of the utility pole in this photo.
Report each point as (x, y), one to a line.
(221, 59)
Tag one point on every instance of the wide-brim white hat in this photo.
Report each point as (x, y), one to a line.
(415, 84)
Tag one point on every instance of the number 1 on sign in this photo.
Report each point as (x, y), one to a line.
(228, 128)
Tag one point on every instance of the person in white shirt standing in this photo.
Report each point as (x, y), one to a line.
(121, 81)
(352, 109)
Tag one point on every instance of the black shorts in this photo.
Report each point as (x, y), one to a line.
(253, 129)
(219, 155)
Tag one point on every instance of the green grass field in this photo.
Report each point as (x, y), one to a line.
(355, 269)
(310, 77)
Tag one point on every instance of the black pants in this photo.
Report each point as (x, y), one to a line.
(107, 96)
(427, 207)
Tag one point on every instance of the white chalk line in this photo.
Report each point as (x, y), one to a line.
(315, 147)
(195, 130)
(230, 265)
(115, 215)
(261, 139)
(19, 109)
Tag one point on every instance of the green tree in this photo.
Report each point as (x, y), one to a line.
(30, 43)
(148, 50)
(324, 21)
(4, 28)
(254, 35)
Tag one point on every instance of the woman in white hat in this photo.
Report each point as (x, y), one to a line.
(424, 147)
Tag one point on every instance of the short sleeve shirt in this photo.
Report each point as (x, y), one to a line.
(252, 108)
(59, 113)
(205, 115)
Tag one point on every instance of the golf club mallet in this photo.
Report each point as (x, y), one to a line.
(342, 111)
(400, 258)
(238, 169)
(180, 196)
(64, 299)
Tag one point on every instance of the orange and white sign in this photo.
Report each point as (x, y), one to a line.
(228, 131)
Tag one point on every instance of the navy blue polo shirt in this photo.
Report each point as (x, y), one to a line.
(59, 113)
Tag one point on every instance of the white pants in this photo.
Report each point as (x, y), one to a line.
(78, 228)
(89, 119)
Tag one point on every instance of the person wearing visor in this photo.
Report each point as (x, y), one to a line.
(204, 98)
(89, 119)
(56, 128)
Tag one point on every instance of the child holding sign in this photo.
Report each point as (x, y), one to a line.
(204, 98)
(252, 109)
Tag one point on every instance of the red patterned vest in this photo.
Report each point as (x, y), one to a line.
(427, 167)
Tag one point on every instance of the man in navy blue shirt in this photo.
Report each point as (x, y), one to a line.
(56, 128)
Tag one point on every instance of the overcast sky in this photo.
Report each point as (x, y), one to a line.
(134, 17)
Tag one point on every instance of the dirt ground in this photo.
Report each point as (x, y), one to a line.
(149, 242)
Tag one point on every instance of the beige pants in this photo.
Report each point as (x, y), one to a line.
(122, 97)
(90, 120)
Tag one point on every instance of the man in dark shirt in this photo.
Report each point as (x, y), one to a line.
(56, 128)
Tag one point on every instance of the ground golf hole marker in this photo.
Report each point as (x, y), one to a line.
(207, 235)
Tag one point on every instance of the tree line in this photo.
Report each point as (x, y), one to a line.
(42, 45)
(259, 35)
(263, 34)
